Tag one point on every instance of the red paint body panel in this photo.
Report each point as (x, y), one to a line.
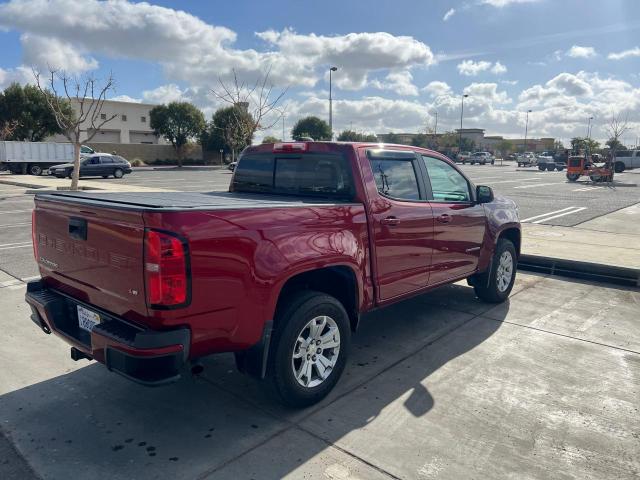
(240, 258)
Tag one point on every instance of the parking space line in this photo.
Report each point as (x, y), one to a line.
(539, 185)
(585, 189)
(10, 225)
(575, 210)
(29, 279)
(546, 214)
(516, 181)
(28, 245)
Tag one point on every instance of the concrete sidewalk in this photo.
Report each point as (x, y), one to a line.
(612, 239)
(53, 183)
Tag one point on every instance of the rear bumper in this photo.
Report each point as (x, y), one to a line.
(149, 357)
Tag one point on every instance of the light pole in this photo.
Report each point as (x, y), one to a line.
(464, 95)
(526, 130)
(331, 69)
(221, 151)
(589, 128)
(283, 139)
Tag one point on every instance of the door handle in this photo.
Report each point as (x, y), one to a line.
(444, 218)
(390, 221)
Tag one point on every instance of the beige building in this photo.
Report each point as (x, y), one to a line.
(131, 124)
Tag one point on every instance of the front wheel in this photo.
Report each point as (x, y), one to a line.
(118, 173)
(618, 167)
(310, 347)
(572, 177)
(495, 285)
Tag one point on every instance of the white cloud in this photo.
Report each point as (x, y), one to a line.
(125, 98)
(437, 88)
(498, 68)
(194, 51)
(450, 13)
(577, 51)
(165, 94)
(21, 74)
(399, 82)
(46, 52)
(505, 3)
(470, 68)
(632, 52)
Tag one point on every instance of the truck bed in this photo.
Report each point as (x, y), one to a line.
(180, 201)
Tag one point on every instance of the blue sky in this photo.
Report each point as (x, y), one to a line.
(399, 62)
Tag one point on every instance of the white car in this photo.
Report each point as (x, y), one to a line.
(527, 159)
(482, 158)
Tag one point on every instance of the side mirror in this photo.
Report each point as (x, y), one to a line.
(484, 194)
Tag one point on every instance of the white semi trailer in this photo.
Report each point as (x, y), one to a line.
(36, 157)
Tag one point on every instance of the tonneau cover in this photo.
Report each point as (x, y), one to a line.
(175, 201)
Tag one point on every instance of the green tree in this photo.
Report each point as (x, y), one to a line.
(178, 122)
(392, 138)
(230, 129)
(27, 109)
(558, 145)
(504, 147)
(615, 145)
(353, 136)
(270, 139)
(313, 127)
(584, 144)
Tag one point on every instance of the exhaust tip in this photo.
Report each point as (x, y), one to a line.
(197, 368)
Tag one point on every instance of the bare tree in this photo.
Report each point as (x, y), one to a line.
(88, 94)
(616, 129)
(257, 99)
(7, 129)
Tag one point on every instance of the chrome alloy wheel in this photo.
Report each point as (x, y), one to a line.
(505, 271)
(316, 351)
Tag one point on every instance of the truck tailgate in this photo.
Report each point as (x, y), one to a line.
(92, 253)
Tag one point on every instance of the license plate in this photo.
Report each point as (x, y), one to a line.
(87, 319)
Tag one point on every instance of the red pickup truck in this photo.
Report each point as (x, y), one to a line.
(279, 270)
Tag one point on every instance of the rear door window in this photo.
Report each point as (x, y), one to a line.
(106, 160)
(395, 178)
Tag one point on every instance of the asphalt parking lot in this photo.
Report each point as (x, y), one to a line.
(542, 197)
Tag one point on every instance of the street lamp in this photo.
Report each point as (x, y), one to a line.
(331, 69)
(464, 95)
(526, 130)
(221, 151)
(589, 128)
(283, 139)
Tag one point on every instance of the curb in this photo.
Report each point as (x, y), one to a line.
(20, 184)
(583, 270)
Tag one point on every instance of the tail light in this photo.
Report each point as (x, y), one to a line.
(166, 265)
(34, 237)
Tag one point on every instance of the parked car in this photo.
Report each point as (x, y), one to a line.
(550, 161)
(463, 157)
(35, 157)
(482, 158)
(626, 159)
(279, 270)
(527, 159)
(101, 165)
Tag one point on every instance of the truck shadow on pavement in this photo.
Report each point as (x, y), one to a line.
(93, 424)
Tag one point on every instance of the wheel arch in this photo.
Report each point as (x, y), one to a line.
(512, 234)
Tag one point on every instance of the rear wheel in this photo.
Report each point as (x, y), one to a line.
(69, 173)
(572, 177)
(310, 348)
(541, 168)
(618, 167)
(35, 170)
(495, 285)
(118, 173)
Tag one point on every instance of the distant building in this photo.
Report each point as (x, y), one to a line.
(482, 141)
(131, 124)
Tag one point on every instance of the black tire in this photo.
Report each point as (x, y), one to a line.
(35, 170)
(301, 308)
(486, 285)
(493, 161)
(69, 173)
(618, 167)
(572, 177)
(118, 173)
(464, 162)
(541, 168)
